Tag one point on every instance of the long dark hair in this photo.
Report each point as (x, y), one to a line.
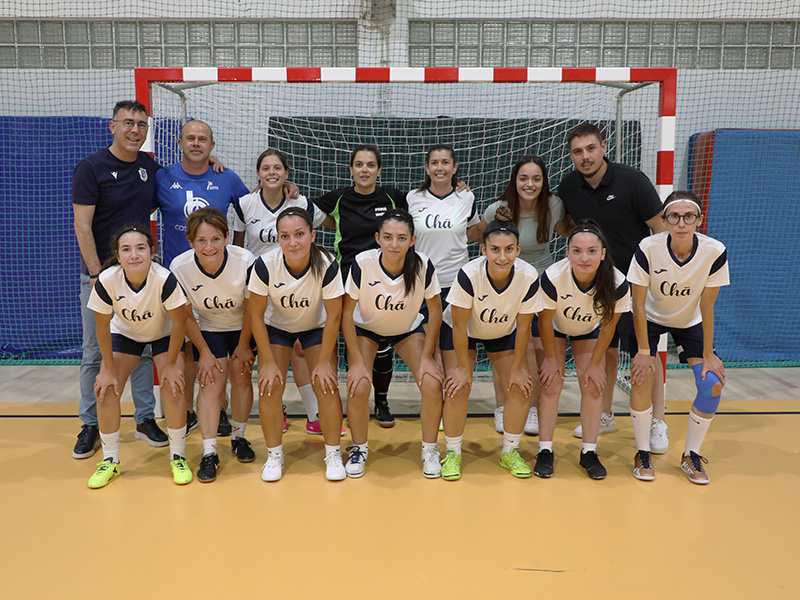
(315, 259)
(412, 265)
(605, 288)
(426, 184)
(113, 243)
(511, 197)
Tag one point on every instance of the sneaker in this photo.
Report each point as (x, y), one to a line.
(151, 433)
(594, 468)
(532, 424)
(642, 467)
(191, 421)
(544, 464)
(334, 467)
(273, 468)
(692, 465)
(181, 473)
(431, 463)
(285, 422)
(498, 419)
(107, 469)
(242, 450)
(88, 442)
(514, 463)
(451, 466)
(607, 425)
(208, 468)
(224, 429)
(659, 437)
(384, 415)
(356, 462)
(313, 427)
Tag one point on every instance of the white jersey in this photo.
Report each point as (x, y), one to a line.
(493, 311)
(139, 314)
(441, 228)
(257, 220)
(217, 300)
(295, 302)
(383, 307)
(674, 287)
(574, 306)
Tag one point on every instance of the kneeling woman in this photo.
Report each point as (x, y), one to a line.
(299, 287)
(675, 278)
(492, 301)
(214, 278)
(138, 302)
(385, 291)
(583, 296)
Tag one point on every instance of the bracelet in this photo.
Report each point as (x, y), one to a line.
(94, 276)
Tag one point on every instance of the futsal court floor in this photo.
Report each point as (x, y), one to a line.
(393, 533)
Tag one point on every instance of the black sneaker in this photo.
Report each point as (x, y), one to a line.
(208, 468)
(148, 431)
(191, 421)
(88, 442)
(242, 450)
(591, 463)
(225, 428)
(383, 415)
(544, 464)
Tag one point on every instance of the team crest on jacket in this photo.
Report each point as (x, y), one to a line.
(142, 174)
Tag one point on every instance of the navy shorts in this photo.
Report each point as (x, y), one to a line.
(384, 341)
(689, 341)
(625, 335)
(125, 345)
(309, 338)
(424, 308)
(592, 335)
(494, 345)
(221, 343)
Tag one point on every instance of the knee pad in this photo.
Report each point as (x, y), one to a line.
(705, 402)
(384, 362)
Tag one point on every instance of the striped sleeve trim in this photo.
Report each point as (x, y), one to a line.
(720, 262)
(548, 288)
(465, 283)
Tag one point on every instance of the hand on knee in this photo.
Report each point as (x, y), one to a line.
(708, 391)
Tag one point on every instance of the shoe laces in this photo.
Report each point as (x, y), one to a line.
(273, 460)
(356, 455)
(659, 426)
(179, 462)
(591, 458)
(333, 459)
(105, 464)
(240, 441)
(544, 453)
(431, 455)
(514, 456)
(644, 457)
(697, 461)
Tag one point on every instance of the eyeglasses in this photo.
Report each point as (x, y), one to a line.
(130, 123)
(688, 218)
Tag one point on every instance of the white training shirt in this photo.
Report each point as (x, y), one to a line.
(257, 220)
(673, 287)
(441, 228)
(139, 314)
(217, 299)
(494, 311)
(575, 314)
(295, 302)
(383, 307)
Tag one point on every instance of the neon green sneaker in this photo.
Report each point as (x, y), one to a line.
(514, 463)
(107, 469)
(451, 466)
(181, 473)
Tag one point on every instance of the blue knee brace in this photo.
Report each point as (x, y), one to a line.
(705, 402)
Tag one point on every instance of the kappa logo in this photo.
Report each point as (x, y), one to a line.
(211, 186)
(567, 296)
(176, 186)
(660, 271)
(142, 173)
(373, 283)
(194, 289)
(482, 298)
(610, 197)
(114, 174)
(120, 298)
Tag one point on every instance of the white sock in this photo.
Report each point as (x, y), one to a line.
(333, 449)
(587, 447)
(641, 421)
(546, 445)
(454, 443)
(177, 442)
(309, 401)
(110, 442)
(429, 446)
(275, 449)
(510, 440)
(696, 433)
(237, 429)
(209, 446)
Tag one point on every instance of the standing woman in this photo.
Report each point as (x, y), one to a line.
(296, 296)
(138, 302)
(492, 301)
(255, 228)
(214, 278)
(537, 213)
(583, 296)
(675, 278)
(385, 291)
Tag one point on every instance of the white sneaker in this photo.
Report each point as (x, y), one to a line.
(431, 463)
(498, 419)
(607, 425)
(659, 437)
(356, 462)
(273, 468)
(532, 424)
(334, 468)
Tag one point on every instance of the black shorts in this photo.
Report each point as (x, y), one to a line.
(309, 338)
(625, 334)
(689, 341)
(592, 335)
(221, 343)
(494, 345)
(385, 341)
(125, 345)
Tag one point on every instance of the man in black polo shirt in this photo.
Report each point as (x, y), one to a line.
(623, 201)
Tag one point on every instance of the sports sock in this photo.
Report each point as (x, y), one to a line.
(110, 442)
(429, 446)
(587, 447)
(309, 401)
(546, 446)
(177, 442)
(209, 446)
(454, 443)
(332, 449)
(696, 433)
(641, 421)
(510, 440)
(237, 429)
(275, 449)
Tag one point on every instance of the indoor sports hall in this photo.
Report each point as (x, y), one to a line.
(700, 97)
